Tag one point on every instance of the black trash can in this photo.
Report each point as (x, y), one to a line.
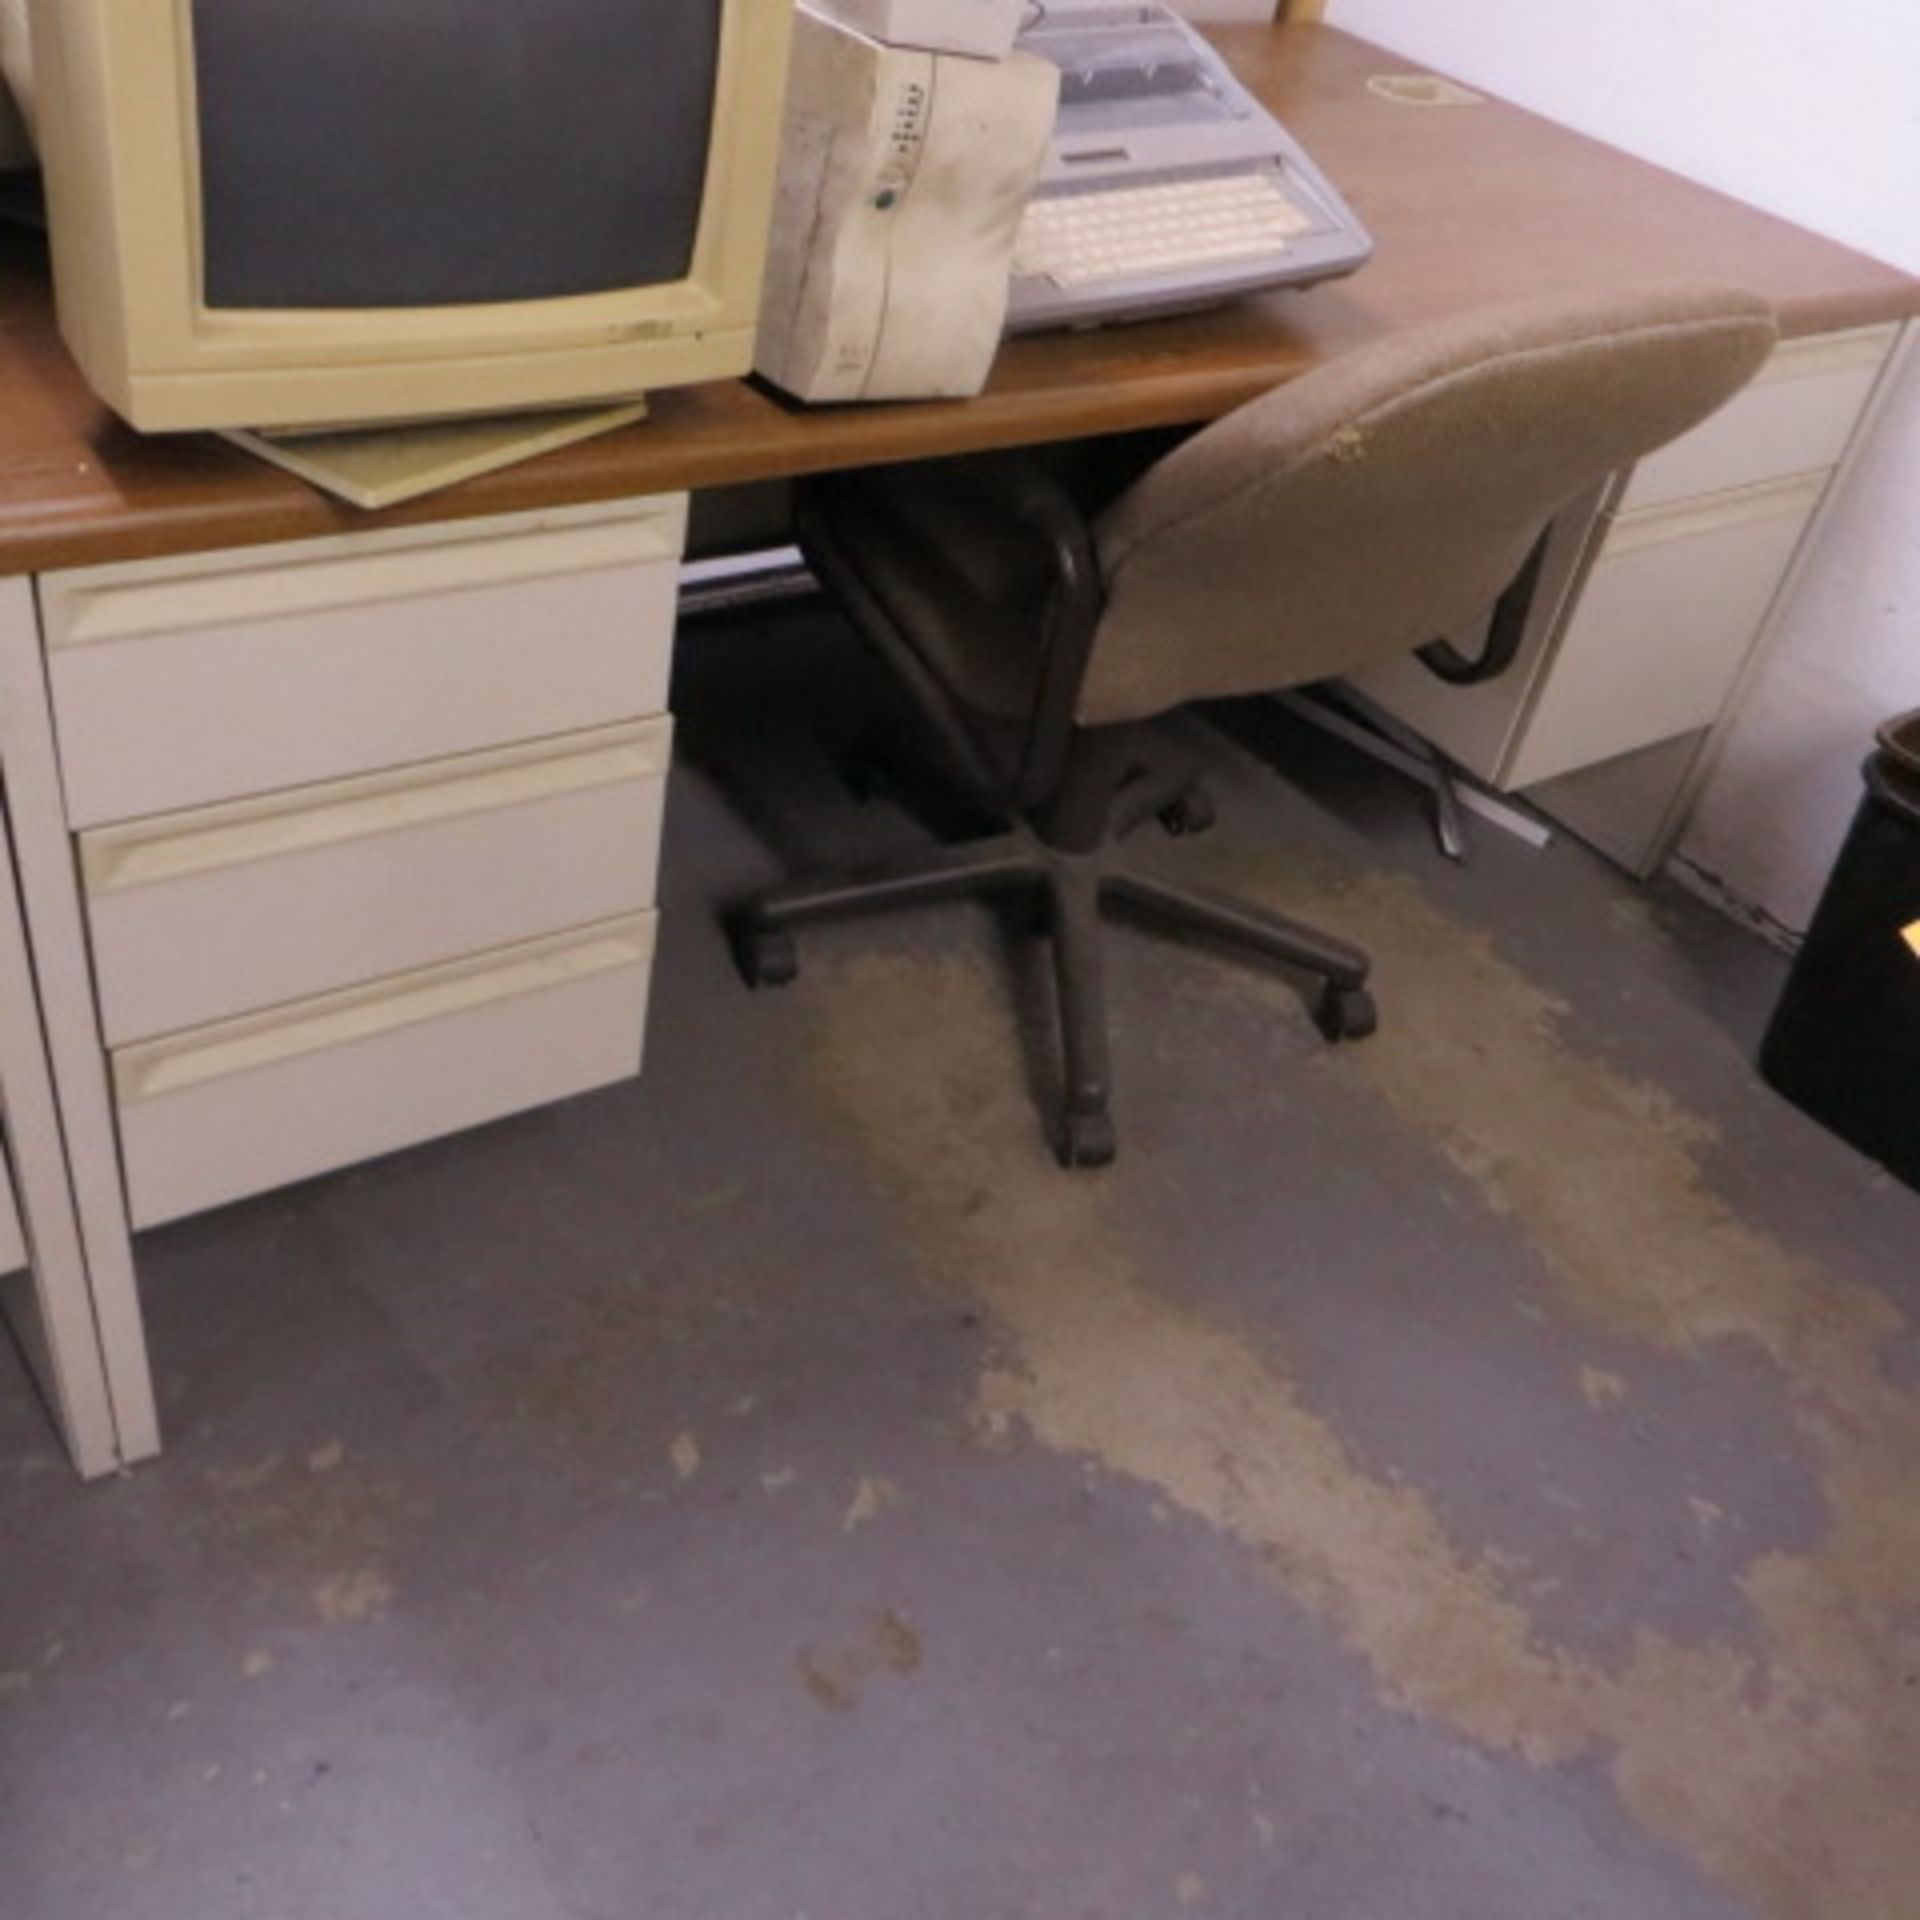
(1845, 1042)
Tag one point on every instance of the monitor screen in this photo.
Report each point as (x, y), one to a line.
(423, 153)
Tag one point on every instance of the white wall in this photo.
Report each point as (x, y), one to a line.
(1813, 113)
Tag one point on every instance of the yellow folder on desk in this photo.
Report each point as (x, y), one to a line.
(381, 467)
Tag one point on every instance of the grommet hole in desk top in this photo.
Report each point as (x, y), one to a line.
(1423, 90)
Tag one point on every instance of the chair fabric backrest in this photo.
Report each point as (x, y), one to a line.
(1391, 496)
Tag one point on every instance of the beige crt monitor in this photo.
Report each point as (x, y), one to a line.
(280, 213)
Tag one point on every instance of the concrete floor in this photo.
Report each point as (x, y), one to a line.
(1468, 1477)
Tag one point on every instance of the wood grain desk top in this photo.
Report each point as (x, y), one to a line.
(1469, 205)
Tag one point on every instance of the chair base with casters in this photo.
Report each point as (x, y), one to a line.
(1067, 864)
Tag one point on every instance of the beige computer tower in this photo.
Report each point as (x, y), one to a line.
(903, 178)
(985, 28)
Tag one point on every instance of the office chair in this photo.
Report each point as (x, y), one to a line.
(1391, 495)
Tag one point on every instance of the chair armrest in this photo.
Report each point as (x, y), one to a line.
(1017, 488)
(1505, 634)
(1019, 523)
(1006, 492)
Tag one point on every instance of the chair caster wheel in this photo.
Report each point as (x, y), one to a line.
(766, 956)
(1087, 1140)
(1193, 812)
(1346, 1013)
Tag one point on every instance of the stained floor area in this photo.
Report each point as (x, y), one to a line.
(1465, 1477)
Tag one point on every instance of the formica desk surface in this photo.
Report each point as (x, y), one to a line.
(1469, 205)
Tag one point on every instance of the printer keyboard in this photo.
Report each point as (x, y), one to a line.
(1168, 226)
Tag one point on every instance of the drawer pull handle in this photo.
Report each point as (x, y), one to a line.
(243, 1046)
(1687, 519)
(139, 601)
(153, 853)
(1822, 354)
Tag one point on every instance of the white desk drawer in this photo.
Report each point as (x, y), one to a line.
(180, 683)
(1663, 628)
(224, 910)
(1796, 417)
(253, 1104)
